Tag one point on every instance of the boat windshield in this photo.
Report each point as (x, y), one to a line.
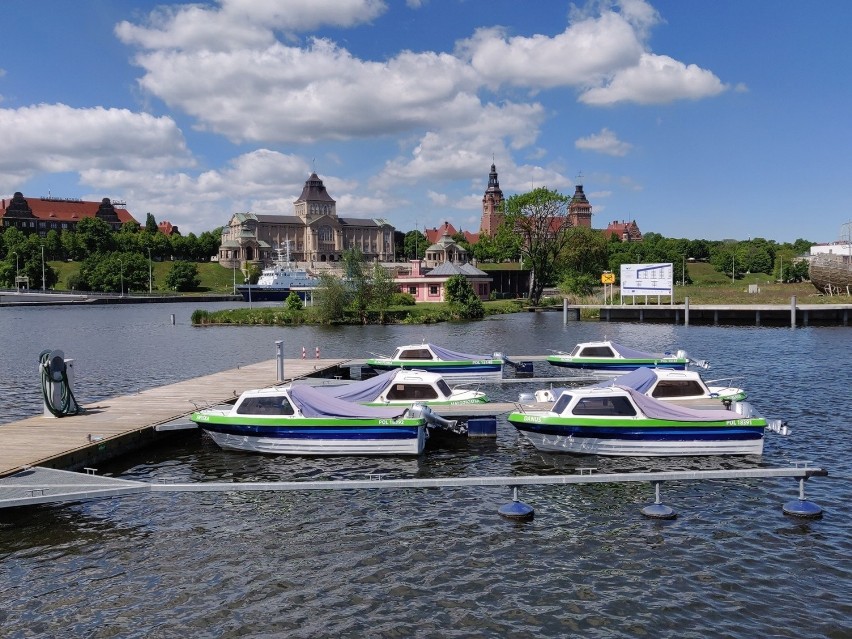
(617, 406)
(265, 405)
(444, 388)
(561, 403)
(412, 392)
(597, 351)
(677, 388)
(415, 353)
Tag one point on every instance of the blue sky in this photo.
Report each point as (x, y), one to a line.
(708, 120)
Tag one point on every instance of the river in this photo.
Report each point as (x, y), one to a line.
(438, 562)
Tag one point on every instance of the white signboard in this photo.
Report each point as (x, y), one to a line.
(646, 279)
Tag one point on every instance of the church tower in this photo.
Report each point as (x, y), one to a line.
(492, 205)
(579, 209)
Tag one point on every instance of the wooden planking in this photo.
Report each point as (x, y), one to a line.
(39, 440)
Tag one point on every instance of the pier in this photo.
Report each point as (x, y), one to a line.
(792, 315)
(122, 424)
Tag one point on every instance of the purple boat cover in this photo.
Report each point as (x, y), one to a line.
(640, 379)
(630, 353)
(656, 409)
(364, 391)
(447, 355)
(312, 402)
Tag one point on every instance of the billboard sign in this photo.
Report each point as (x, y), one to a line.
(647, 279)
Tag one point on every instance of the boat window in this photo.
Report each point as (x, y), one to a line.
(561, 403)
(411, 392)
(444, 388)
(677, 388)
(416, 353)
(266, 405)
(596, 351)
(605, 406)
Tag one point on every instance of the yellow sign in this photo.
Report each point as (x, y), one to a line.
(608, 278)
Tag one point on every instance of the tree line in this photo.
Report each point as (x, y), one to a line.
(110, 261)
(535, 232)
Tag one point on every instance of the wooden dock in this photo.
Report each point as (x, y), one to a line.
(121, 424)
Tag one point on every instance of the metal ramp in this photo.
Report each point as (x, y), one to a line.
(45, 485)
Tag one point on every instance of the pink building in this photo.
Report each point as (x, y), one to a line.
(427, 285)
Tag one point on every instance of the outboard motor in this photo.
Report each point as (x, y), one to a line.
(418, 411)
(522, 369)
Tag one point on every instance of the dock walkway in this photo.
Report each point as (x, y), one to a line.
(120, 424)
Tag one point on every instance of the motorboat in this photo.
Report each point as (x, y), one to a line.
(403, 387)
(681, 387)
(302, 420)
(620, 421)
(615, 358)
(450, 364)
(277, 281)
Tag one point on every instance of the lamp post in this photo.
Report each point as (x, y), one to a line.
(42, 268)
(733, 267)
(234, 263)
(150, 280)
(683, 270)
(121, 268)
(17, 270)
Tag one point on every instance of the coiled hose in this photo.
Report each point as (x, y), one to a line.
(67, 402)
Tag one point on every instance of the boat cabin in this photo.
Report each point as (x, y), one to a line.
(266, 404)
(412, 391)
(413, 353)
(609, 405)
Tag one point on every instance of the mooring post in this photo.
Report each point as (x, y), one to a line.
(686, 311)
(279, 360)
(793, 312)
(564, 310)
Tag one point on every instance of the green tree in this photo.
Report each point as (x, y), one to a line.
(464, 303)
(383, 290)
(540, 220)
(331, 297)
(415, 245)
(293, 302)
(114, 272)
(183, 276)
(586, 252)
(93, 236)
(150, 223)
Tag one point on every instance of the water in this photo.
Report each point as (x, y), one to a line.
(429, 563)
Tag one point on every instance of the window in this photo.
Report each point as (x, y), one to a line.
(411, 392)
(604, 406)
(267, 405)
(412, 290)
(596, 351)
(433, 290)
(677, 388)
(561, 403)
(444, 388)
(416, 353)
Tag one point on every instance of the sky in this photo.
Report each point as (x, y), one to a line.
(701, 120)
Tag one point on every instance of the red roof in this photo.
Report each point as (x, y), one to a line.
(433, 235)
(65, 210)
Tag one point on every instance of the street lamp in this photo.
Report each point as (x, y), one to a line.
(733, 267)
(17, 270)
(683, 270)
(149, 271)
(42, 268)
(121, 267)
(234, 264)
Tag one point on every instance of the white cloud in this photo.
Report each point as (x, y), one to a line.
(605, 142)
(657, 79)
(584, 52)
(58, 138)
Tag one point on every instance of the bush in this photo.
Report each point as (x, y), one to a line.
(402, 299)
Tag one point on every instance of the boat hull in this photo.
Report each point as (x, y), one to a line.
(615, 365)
(474, 371)
(349, 437)
(269, 293)
(659, 440)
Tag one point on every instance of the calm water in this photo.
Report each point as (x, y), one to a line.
(429, 563)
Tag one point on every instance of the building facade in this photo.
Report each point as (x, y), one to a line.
(314, 233)
(43, 214)
(492, 205)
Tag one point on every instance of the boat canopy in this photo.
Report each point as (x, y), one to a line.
(364, 391)
(449, 356)
(630, 353)
(312, 402)
(640, 379)
(655, 409)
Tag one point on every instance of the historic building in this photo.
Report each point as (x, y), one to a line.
(624, 231)
(579, 209)
(43, 214)
(313, 233)
(429, 284)
(492, 205)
